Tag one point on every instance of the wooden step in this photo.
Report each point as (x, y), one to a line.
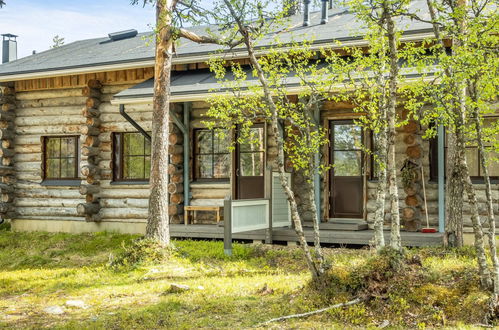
(353, 226)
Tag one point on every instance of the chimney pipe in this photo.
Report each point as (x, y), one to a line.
(9, 48)
(306, 12)
(324, 14)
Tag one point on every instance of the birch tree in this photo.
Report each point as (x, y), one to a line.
(269, 99)
(372, 86)
(463, 87)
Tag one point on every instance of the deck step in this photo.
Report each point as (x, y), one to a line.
(338, 226)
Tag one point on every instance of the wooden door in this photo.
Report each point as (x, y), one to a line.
(346, 180)
(250, 166)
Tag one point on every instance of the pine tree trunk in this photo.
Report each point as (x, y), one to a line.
(158, 227)
(395, 240)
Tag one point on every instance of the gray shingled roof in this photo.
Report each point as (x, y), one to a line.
(342, 26)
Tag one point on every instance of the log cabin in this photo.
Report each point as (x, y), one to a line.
(75, 152)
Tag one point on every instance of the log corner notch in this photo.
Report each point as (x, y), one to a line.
(7, 133)
(90, 150)
(176, 169)
(411, 213)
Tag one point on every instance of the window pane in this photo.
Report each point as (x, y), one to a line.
(204, 166)
(68, 168)
(221, 166)
(133, 144)
(256, 143)
(68, 147)
(52, 168)
(472, 159)
(53, 147)
(347, 137)
(251, 164)
(204, 142)
(133, 167)
(221, 142)
(148, 147)
(347, 163)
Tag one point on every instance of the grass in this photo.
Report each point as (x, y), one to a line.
(39, 270)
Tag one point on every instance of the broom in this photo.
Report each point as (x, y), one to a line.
(426, 229)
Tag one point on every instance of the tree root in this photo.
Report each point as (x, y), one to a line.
(318, 311)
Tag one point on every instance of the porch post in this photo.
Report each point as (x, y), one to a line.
(441, 179)
(187, 111)
(227, 226)
(317, 176)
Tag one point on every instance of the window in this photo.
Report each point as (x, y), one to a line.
(131, 157)
(211, 154)
(60, 157)
(472, 155)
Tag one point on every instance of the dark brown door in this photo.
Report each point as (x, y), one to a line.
(346, 185)
(250, 163)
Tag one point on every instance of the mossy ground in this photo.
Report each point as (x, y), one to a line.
(436, 289)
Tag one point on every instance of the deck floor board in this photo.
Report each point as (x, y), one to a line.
(357, 237)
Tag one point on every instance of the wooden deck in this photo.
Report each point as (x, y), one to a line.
(362, 237)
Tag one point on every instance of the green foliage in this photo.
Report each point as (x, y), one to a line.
(140, 252)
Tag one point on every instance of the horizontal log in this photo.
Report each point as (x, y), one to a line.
(7, 90)
(6, 124)
(36, 191)
(74, 110)
(48, 130)
(6, 170)
(133, 109)
(7, 144)
(8, 179)
(90, 151)
(125, 202)
(7, 161)
(27, 157)
(91, 112)
(92, 102)
(89, 189)
(88, 208)
(117, 117)
(89, 130)
(52, 102)
(175, 188)
(96, 122)
(47, 202)
(49, 120)
(48, 94)
(47, 211)
(6, 152)
(27, 148)
(176, 198)
(124, 213)
(175, 209)
(177, 159)
(5, 207)
(7, 107)
(7, 99)
(6, 188)
(6, 133)
(91, 141)
(7, 115)
(210, 193)
(176, 178)
(90, 170)
(175, 138)
(174, 169)
(125, 126)
(91, 92)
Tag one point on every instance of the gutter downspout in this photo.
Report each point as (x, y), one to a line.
(134, 123)
(317, 176)
(187, 111)
(441, 180)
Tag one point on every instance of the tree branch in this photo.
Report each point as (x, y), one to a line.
(293, 316)
(207, 40)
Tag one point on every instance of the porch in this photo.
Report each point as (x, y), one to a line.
(353, 237)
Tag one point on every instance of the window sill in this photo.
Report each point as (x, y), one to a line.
(62, 183)
(200, 182)
(129, 183)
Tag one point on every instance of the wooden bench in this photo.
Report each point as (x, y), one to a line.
(195, 208)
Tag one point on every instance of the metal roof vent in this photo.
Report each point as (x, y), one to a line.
(120, 35)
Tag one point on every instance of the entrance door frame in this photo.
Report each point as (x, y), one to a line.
(344, 114)
(235, 162)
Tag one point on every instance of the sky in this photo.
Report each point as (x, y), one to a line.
(36, 22)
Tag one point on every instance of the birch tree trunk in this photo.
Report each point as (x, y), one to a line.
(454, 199)
(316, 270)
(395, 240)
(490, 207)
(379, 219)
(158, 227)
